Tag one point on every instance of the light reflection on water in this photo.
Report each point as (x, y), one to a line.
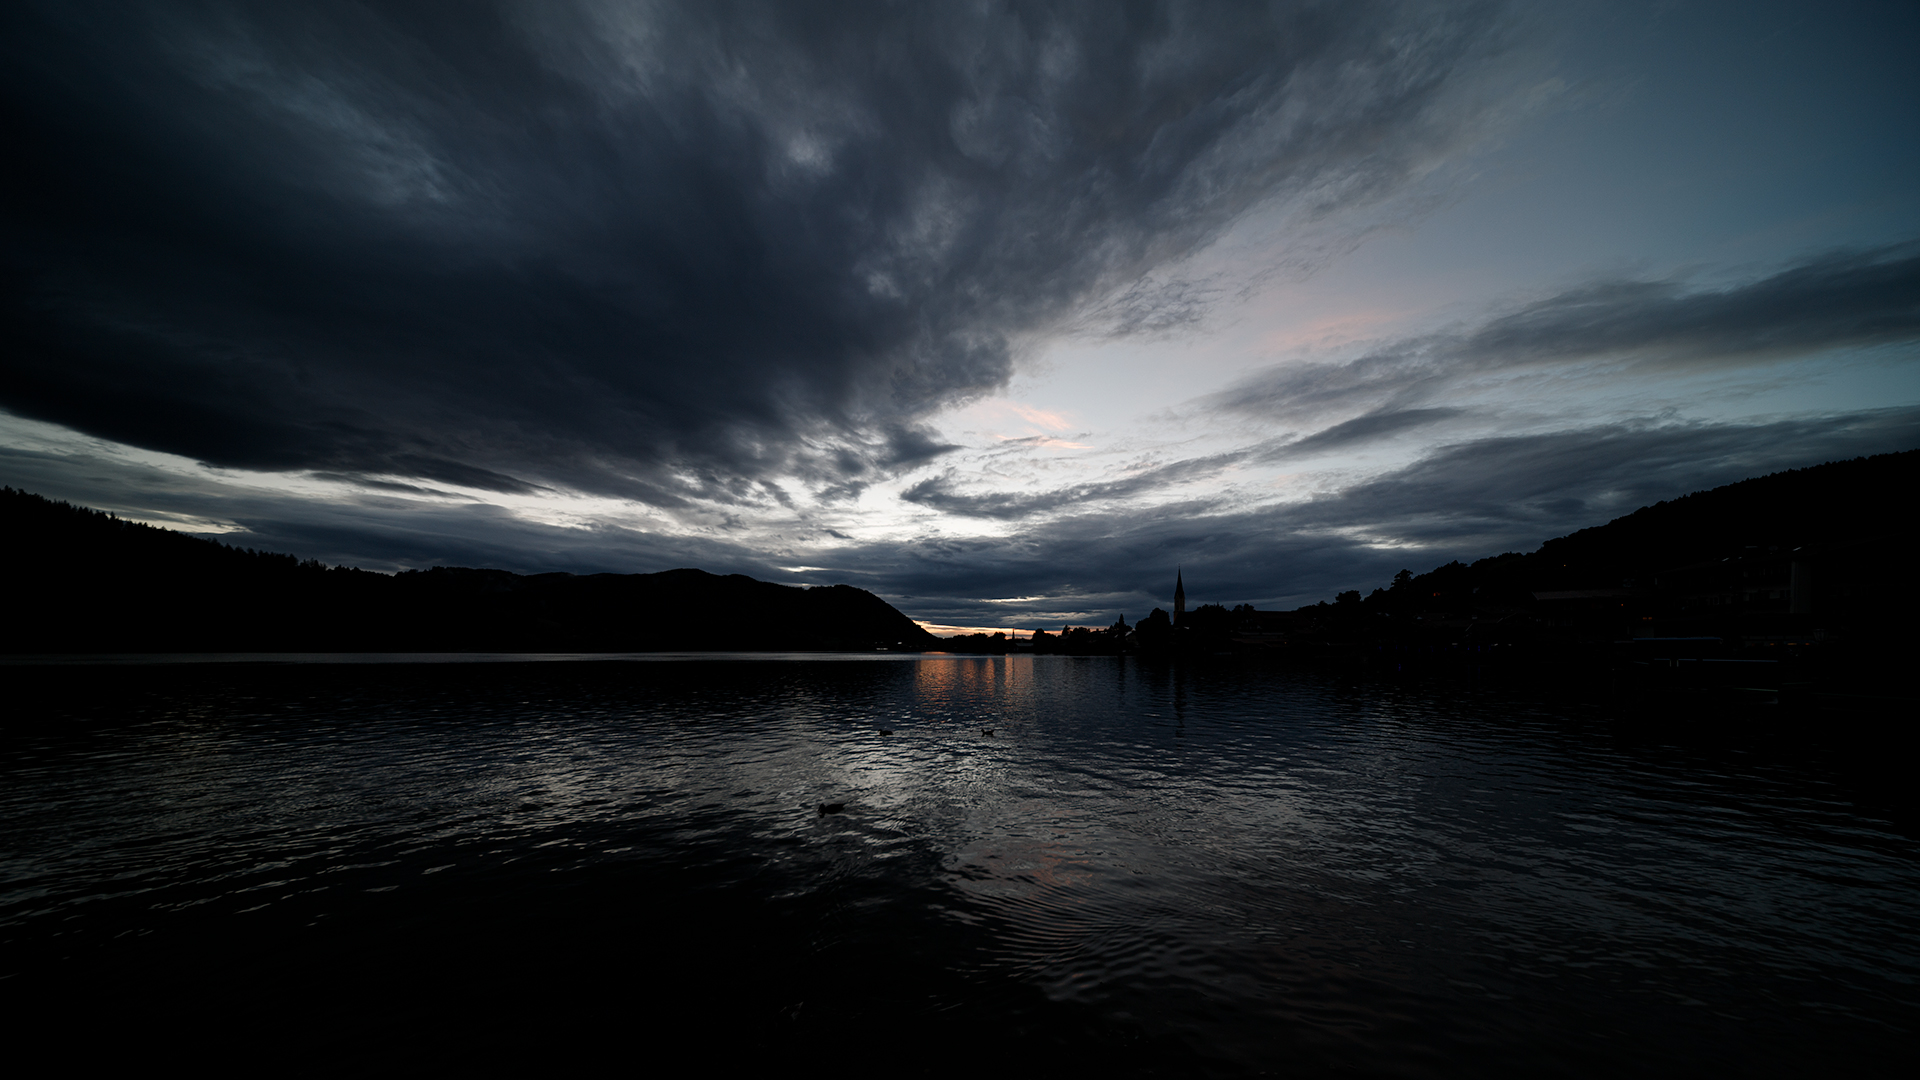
(1264, 869)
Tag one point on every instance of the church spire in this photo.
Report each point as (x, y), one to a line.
(1179, 597)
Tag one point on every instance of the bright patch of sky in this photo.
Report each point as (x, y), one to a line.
(1701, 145)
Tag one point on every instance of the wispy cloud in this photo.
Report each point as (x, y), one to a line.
(1464, 500)
(1467, 500)
(942, 493)
(1834, 301)
(1044, 440)
(1357, 432)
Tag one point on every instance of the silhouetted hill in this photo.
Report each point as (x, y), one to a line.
(1826, 506)
(1813, 562)
(1848, 516)
(88, 581)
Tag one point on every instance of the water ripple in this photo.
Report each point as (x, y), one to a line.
(1266, 868)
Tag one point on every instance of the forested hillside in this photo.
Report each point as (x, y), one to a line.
(1820, 553)
(88, 581)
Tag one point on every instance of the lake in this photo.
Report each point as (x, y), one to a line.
(934, 865)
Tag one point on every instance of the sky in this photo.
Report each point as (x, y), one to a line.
(1002, 311)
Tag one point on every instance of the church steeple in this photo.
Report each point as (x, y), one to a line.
(1179, 597)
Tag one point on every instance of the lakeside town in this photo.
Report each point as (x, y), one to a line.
(1790, 589)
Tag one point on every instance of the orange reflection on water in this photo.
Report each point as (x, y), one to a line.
(973, 680)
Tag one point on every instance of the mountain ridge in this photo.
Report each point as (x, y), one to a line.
(92, 582)
(1829, 506)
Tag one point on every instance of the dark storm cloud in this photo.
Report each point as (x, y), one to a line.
(670, 252)
(1835, 301)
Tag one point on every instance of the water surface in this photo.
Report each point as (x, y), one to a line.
(1078, 862)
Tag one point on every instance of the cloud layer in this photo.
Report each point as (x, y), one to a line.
(1838, 300)
(762, 287)
(1465, 500)
(674, 252)
(1637, 329)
